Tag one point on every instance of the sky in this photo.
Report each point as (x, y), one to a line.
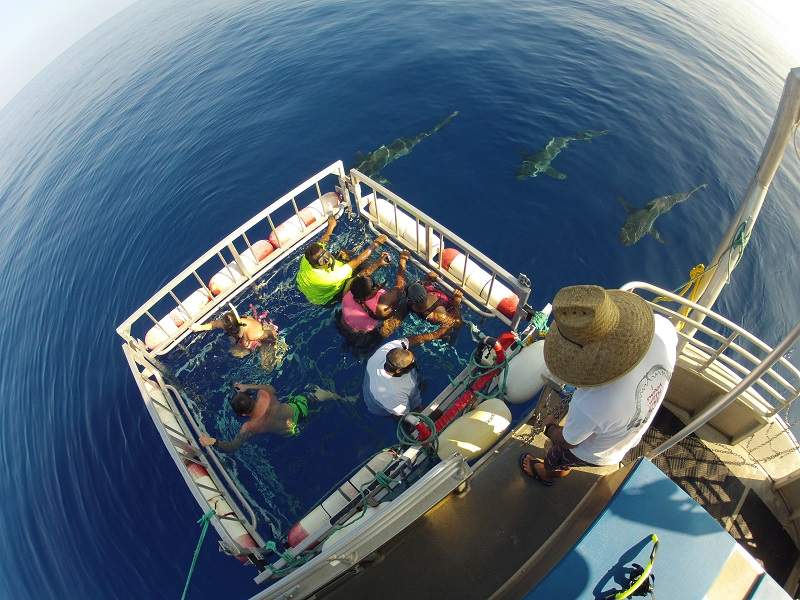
(33, 33)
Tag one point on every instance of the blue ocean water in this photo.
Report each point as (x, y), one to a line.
(168, 126)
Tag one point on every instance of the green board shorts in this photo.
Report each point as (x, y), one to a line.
(299, 406)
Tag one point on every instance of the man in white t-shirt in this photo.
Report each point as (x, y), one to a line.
(620, 357)
(391, 381)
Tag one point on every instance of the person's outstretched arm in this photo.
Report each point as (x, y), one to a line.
(400, 281)
(225, 446)
(384, 260)
(458, 296)
(243, 387)
(421, 338)
(359, 260)
(326, 237)
(215, 324)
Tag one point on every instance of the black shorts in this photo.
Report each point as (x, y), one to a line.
(561, 458)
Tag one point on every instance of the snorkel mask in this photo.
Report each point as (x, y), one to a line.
(231, 323)
(326, 261)
(417, 295)
(319, 257)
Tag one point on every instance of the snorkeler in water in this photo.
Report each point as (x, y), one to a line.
(265, 413)
(249, 333)
(362, 309)
(425, 300)
(322, 277)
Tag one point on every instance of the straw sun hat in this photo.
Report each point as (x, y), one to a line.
(599, 335)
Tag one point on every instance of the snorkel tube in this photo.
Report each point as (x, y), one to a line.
(641, 579)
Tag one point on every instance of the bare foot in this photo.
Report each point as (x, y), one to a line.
(535, 469)
(322, 395)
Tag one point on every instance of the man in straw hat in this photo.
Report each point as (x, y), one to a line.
(620, 357)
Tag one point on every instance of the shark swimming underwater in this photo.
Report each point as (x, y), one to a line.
(640, 220)
(540, 162)
(371, 164)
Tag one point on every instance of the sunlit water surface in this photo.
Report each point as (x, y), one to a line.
(173, 123)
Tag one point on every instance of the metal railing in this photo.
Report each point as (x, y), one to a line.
(239, 271)
(725, 352)
(366, 536)
(719, 404)
(166, 404)
(411, 229)
(177, 429)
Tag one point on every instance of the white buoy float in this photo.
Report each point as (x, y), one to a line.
(405, 226)
(161, 333)
(526, 372)
(228, 277)
(331, 539)
(475, 432)
(479, 282)
(218, 504)
(199, 473)
(293, 228)
(168, 327)
(319, 518)
(191, 308)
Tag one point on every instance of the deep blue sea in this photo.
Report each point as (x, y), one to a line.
(167, 127)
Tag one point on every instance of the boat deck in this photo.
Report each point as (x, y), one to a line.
(720, 487)
(469, 546)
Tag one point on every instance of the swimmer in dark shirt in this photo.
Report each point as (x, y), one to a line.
(426, 301)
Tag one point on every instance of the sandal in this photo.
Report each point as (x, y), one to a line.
(535, 475)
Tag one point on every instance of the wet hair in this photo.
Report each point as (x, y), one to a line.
(416, 293)
(362, 287)
(314, 252)
(243, 404)
(230, 324)
(399, 361)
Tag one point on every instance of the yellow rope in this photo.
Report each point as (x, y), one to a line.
(694, 277)
(691, 287)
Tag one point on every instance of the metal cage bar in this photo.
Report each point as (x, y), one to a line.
(724, 365)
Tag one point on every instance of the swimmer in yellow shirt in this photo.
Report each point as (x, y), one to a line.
(322, 277)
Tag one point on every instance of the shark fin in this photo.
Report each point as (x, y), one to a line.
(551, 172)
(654, 232)
(628, 208)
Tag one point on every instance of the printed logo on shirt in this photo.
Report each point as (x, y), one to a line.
(649, 392)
